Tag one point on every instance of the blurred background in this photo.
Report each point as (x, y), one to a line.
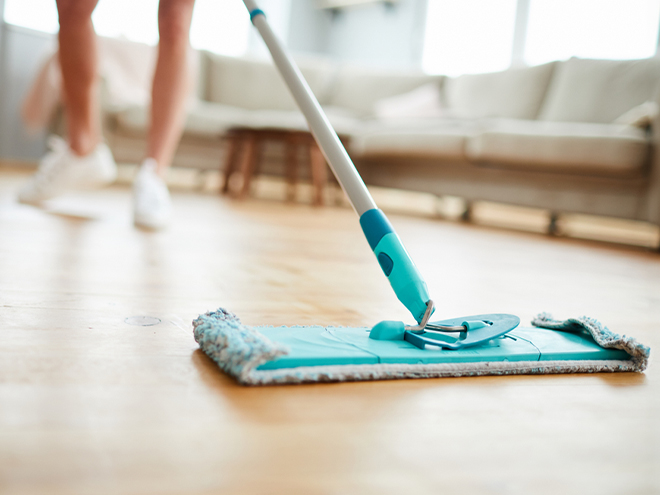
(449, 37)
(550, 105)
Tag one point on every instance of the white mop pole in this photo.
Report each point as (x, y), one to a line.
(393, 258)
(325, 135)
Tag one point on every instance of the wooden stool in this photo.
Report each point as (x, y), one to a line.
(250, 143)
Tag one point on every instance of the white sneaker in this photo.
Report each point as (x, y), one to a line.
(61, 171)
(152, 206)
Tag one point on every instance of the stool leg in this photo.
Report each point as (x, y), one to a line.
(249, 163)
(553, 224)
(234, 145)
(291, 166)
(319, 172)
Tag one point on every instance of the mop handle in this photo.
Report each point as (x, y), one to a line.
(327, 138)
(395, 261)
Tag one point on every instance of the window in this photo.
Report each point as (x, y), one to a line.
(468, 36)
(615, 29)
(220, 26)
(40, 15)
(112, 19)
(217, 26)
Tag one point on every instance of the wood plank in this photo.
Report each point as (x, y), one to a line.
(90, 404)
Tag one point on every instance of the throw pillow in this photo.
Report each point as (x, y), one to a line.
(424, 101)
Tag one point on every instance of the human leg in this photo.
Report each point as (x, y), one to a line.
(171, 81)
(79, 60)
(84, 162)
(152, 205)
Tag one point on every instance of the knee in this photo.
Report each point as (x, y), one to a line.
(75, 11)
(174, 18)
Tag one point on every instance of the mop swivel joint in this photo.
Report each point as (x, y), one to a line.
(452, 334)
(394, 260)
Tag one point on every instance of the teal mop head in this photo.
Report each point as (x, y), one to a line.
(280, 355)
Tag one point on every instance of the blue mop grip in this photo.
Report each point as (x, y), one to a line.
(404, 277)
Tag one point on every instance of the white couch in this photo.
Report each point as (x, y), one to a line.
(568, 136)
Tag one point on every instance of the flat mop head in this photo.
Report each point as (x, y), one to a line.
(304, 354)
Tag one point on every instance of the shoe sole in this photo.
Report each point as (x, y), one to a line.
(91, 186)
(150, 222)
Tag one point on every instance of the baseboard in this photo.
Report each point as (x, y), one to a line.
(22, 164)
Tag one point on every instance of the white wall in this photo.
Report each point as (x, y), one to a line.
(278, 13)
(379, 34)
(2, 9)
(20, 57)
(309, 28)
(2, 72)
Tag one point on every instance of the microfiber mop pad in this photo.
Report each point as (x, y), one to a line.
(304, 354)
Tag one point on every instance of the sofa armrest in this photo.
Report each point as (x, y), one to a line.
(654, 176)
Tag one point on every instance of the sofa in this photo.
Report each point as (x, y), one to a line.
(574, 136)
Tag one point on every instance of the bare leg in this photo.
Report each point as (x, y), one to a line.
(78, 59)
(171, 81)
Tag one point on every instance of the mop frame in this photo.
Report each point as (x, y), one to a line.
(246, 353)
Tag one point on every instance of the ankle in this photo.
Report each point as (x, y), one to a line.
(83, 145)
(153, 165)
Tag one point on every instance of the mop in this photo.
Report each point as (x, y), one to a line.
(486, 344)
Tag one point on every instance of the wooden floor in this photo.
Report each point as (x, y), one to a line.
(90, 404)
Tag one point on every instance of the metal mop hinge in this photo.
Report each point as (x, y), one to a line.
(457, 333)
(424, 324)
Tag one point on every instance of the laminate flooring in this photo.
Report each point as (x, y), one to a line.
(92, 404)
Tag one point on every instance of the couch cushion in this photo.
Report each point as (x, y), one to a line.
(514, 93)
(358, 88)
(343, 122)
(599, 91)
(422, 102)
(416, 137)
(257, 85)
(578, 147)
(210, 120)
(203, 119)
